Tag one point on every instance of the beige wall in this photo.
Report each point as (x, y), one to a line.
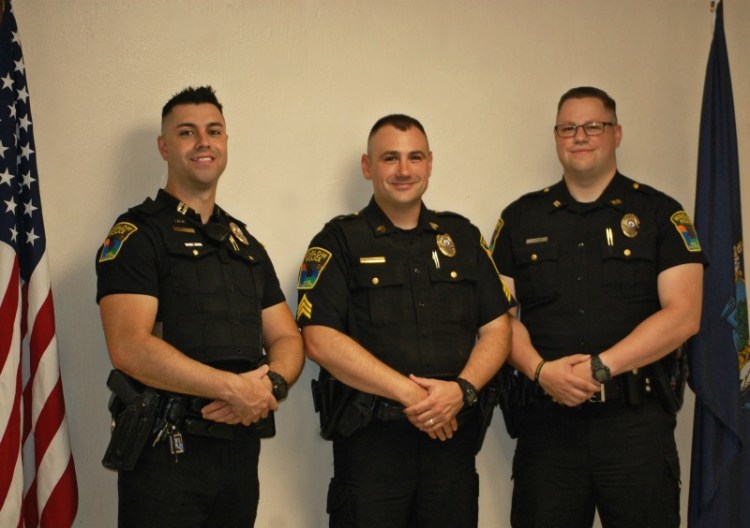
(302, 81)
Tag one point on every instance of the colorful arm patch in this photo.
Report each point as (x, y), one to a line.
(498, 228)
(312, 267)
(685, 228)
(115, 239)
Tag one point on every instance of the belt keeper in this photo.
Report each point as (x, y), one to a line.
(538, 371)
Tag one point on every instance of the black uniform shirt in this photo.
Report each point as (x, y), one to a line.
(415, 299)
(212, 281)
(586, 273)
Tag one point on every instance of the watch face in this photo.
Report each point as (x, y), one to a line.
(279, 387)
(279, 391)
(599, 371)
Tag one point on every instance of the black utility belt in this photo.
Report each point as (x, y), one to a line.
(388, 411)
(184, 412)
(631, 388)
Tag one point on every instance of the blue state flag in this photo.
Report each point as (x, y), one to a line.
(720, 353)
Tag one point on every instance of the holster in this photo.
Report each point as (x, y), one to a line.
(670, 376)
(489, 397)
(342, 409)
(511, 397)
(134, 407)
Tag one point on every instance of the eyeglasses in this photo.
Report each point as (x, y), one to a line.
(594, 128)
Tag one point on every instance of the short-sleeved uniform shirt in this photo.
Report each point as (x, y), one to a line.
(586, 273)
(212, 281)
(413, 298)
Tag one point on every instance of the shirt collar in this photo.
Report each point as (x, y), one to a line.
(172, 202)
(382, 225)
(613, 196)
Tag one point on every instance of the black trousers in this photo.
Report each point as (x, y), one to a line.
(392, 475)
(618, 459)
(213, 484)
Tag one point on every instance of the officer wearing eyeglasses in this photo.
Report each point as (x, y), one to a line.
(608, 276)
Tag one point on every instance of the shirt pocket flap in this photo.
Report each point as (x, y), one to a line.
(374, 276)
(535, 253)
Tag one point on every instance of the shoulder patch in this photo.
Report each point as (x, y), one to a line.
(483, 243)
(685, 228)
(496, 233)
(316, 259)
(117, 236)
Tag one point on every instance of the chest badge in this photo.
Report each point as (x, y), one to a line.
(238, 234)
(445, 245)
(630, 225)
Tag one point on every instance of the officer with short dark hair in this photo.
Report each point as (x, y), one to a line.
(192, 310)
(608, 276)
(391, 301)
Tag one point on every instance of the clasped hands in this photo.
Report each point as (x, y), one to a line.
(249, 401)
(568, 380)
(434, 406)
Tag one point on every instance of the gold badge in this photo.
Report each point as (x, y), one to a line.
(446, 246)
(237, 232)
(630, 225)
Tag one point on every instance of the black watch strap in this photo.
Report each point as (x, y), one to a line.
(279, 386)
(599, 371)
(469, 392)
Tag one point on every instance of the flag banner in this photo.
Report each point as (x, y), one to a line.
(37, 477)
(719, 354)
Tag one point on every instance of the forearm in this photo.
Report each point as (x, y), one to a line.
(286, 357)
(653, 339)
(680, 294)
(155, 363)
(128, 320)
(489, 353)
(353, 365)
(523, 356)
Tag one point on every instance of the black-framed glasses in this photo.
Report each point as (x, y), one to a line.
(592, 128)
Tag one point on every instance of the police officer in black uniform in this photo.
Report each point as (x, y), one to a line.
(191, 306)
(391, 301)
(608, 276)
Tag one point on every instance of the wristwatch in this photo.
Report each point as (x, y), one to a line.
(469, 392)
(279, 386)
(599, 371)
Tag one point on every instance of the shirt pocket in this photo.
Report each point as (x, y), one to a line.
(378, 295)
(452, 297)
(247, 274)
(193, 270)
(629, 268)
(537, 273)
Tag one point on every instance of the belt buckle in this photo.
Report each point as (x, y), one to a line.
(599, 397)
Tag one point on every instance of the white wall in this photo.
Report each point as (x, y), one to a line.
(302, 81)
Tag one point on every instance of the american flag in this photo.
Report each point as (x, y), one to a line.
(37, 477)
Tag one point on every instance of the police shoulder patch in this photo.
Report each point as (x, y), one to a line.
(117, 236)
(685, 228)
(315, 262)
(496, 233)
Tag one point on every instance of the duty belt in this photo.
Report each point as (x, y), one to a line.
(387, 411)
(189, 418)
(634, 387)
